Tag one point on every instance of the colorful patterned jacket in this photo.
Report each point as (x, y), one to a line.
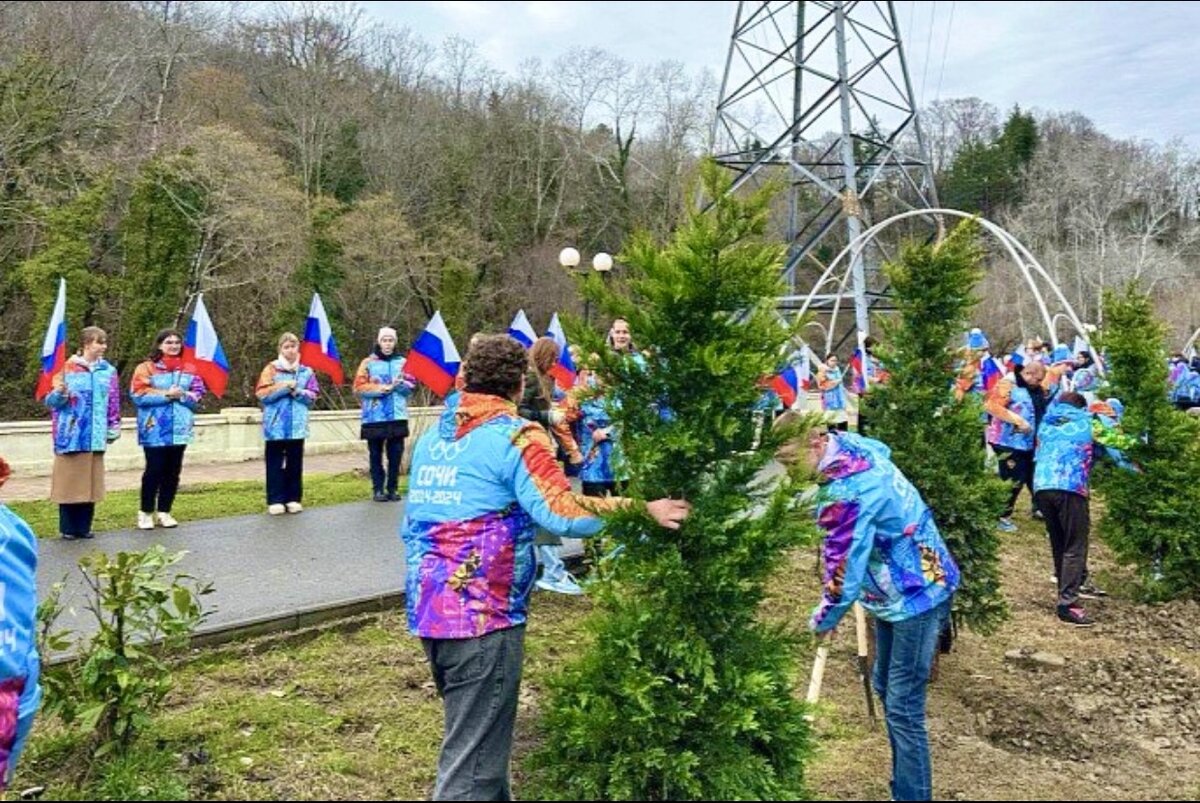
(598, 456)
(285, 414)
(1177, 370)
(1011, 409)
(1066, 449)
(378, 405)
(1187, 387)
(881, 548)
(480, 483)
(833, 394)
(85, 405)
(163, 421)
(20, 668)
(562, 406)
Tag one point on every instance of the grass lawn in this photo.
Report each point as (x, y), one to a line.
(349, 711)
(119, 509)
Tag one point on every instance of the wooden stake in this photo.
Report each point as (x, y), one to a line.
(860, 628)
(818, 675)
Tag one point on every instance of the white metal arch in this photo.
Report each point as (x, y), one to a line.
(1021, 256)
(1191, 341)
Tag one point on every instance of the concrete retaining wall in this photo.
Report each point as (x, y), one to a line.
(230, 436)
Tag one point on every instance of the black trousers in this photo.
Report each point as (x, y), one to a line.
(76, 518)
(1016, 466)
(285, 471)
(395, 451)
(1067, 523)
(160, 480)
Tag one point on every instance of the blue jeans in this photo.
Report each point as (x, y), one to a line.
(553, 568)
(903, 656)
(479, 680)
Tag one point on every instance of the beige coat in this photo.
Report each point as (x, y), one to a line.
(77, 477)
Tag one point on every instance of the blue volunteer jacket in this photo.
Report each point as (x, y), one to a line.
(20, 667)
(163, 421)
(85, 407)
(285, 414)
(881, 547)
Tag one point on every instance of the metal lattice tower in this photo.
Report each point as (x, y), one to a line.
(819, 93)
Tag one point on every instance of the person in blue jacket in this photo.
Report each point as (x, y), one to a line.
(882, 550)
(20, 667)
(166, 389)
(1185, 393)
(482, 481)
(1069, 439)
(383, 388)
(86, 417)
(286, 389)
(1010, 432)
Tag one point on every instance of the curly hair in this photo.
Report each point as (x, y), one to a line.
(495, 365)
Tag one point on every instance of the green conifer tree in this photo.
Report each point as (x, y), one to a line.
(936, 441)
(1152, 518)
(684, 693)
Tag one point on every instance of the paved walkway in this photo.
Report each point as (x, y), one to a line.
(262, 567)
(268, 572)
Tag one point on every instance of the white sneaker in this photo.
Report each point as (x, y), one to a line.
(564, 585)
(166, 520)
(294, 507)
(275, 510)
(145, 521)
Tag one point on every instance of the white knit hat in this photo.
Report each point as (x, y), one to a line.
(384, 331)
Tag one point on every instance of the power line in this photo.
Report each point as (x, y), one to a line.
(945, 50)
(912, 13)
(928, 50)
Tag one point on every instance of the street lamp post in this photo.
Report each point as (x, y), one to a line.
(602, 263)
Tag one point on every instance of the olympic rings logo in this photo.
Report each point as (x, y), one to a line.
(448, 451)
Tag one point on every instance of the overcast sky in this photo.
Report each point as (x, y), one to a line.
(1131, 67)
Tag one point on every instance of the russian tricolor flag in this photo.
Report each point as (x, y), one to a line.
(202, 348)
(521, 330)
(787, 384)
(54, 346)
(318, 351)
(992, 372)
(861, 368)
(564, 372)
(433, 359)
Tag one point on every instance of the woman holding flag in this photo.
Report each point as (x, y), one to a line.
(833, 393)
(166, 389)
(383, 387)
(286, 389)
(84, 399)
(544, 404)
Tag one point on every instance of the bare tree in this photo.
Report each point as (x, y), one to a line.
(310, 55)
(950, 124)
